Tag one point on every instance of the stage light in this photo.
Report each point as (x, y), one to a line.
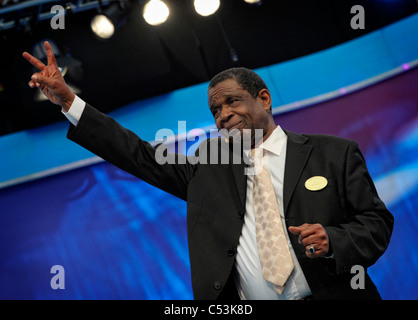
(206, 7)
(102, 26)
(253, 1)
(106, 22)
(156, 12)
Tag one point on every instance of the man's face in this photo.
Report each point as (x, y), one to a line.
(234, 108)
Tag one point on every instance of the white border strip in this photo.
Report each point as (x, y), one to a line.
(52, 171)
(277, 110)
(344, 90)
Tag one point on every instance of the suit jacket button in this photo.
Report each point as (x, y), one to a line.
(241, 214)
(231, 252)
(217, 285)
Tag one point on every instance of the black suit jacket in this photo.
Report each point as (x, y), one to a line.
(357, 222)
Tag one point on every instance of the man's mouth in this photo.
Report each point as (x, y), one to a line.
(233, 126)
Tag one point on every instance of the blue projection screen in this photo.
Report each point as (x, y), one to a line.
(115, 236)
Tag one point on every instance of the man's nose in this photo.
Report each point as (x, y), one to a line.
(225, 114)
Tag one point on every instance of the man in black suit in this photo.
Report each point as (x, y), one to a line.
(326, 198)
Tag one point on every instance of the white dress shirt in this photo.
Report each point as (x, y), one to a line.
(248, 276)
(75, 111)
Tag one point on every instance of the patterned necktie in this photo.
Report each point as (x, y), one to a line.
(276, 260)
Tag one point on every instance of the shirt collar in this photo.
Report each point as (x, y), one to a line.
(275, 141)
(273, 144)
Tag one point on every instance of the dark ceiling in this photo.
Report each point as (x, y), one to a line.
(142, 61)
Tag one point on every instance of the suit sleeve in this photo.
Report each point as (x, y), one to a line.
(104, 137)
(365, 234)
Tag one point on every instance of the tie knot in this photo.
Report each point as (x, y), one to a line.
(257, 152)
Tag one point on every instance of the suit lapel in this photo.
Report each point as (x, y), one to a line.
(238, 179)
(297, 155)
(238, 171)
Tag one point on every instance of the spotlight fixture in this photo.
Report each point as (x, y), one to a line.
(108, 20)
(258, 2)
(155, 12)
(102, 26)
(206, 7)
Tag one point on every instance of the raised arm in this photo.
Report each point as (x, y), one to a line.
(49, 79)
(106, 138)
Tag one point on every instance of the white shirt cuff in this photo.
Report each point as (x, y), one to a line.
(75, 111)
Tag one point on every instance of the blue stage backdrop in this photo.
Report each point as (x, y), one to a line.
(119, 238)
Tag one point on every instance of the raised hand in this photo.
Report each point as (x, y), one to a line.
(49, 80)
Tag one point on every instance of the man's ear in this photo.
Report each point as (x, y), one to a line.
(265, 97)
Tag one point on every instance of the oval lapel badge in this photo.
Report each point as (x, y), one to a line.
(316, 183)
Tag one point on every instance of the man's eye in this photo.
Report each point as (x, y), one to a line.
(232, 100)
(215, 112)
